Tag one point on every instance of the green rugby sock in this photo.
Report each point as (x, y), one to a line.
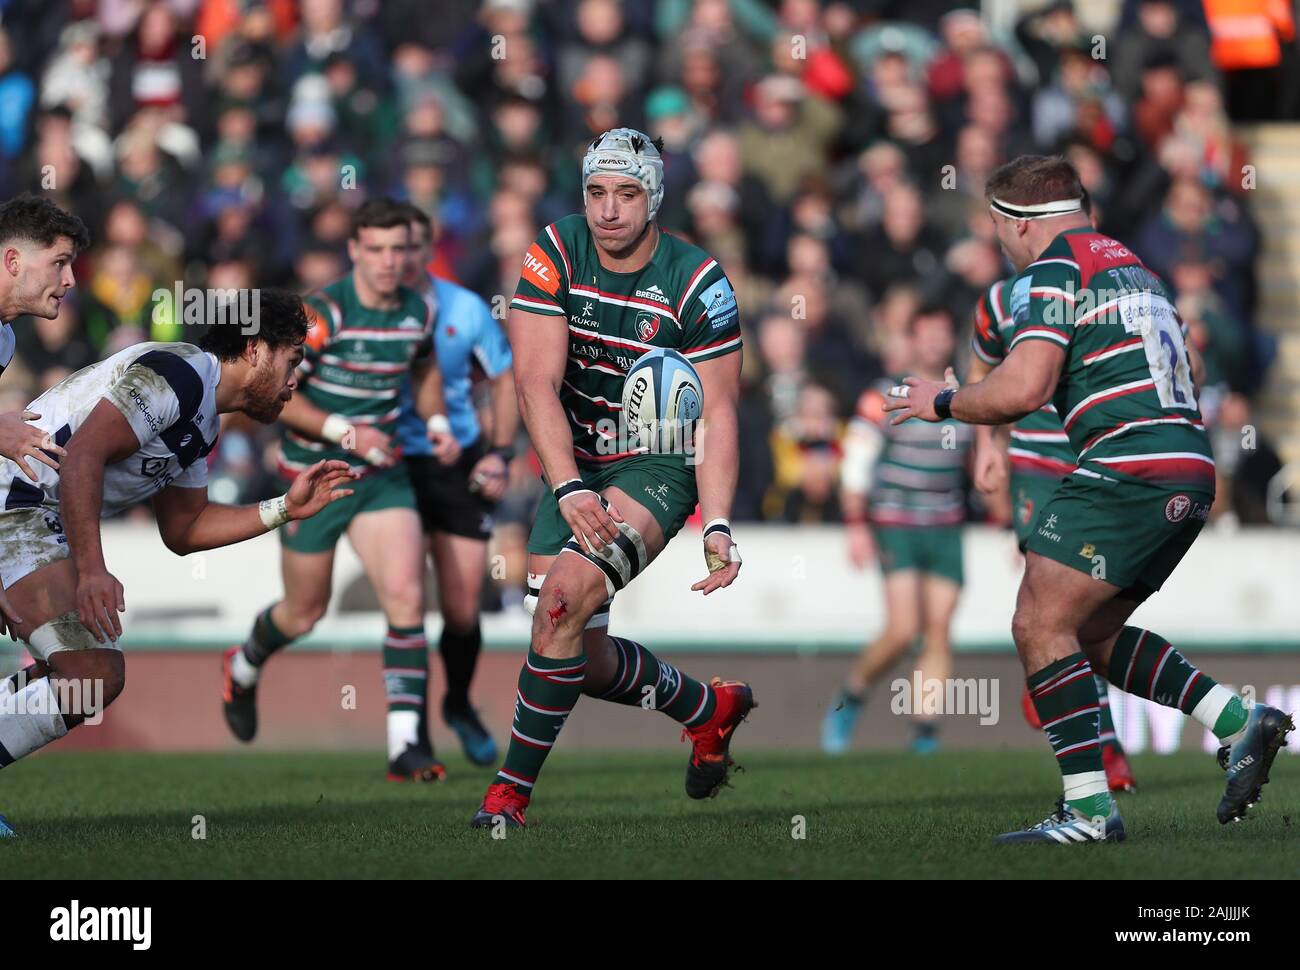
(406, 685)
(639, 675)
(1107, 736)
(1146, 664)
(548, 690)
(1065, 697)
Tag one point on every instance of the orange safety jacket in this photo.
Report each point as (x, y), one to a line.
(1248, 34)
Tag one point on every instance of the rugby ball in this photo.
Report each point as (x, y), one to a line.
(662, 401)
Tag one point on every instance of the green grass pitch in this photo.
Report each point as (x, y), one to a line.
(112, 815)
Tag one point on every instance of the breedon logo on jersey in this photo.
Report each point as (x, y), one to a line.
(654, 293)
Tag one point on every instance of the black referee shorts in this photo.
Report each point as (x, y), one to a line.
(443, 496)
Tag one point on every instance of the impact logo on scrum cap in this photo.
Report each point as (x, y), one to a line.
(1176, 508)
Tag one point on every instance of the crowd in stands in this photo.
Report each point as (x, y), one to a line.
(831, 155)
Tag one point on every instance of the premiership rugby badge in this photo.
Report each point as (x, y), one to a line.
(1176, 508)
(647, 325)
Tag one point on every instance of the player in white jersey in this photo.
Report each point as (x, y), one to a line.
(38, 242)
(136, 426)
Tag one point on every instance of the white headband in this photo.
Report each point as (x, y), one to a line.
(1037, 210)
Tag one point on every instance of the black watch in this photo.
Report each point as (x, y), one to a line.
(505, 452)
(943, 402)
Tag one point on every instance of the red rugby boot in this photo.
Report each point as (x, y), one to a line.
(1119, 776)
(505, 799)
(706, 772)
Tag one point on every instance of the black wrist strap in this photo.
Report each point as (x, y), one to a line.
(943, 402)
(568, 488)
(505, 452)
(717, 527)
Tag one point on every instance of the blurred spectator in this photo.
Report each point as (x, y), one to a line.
(1079, 100)
(719, 159)
(1223, 344)
(600, 30)
(1244, 463)
(58, 168)
(1161, 86)
(77, 76)
(787, 138)
(155, 68)
(318, 265)
(904, 246)
(1191, 219)
(714, 55)
(1158, 31)
(806, 453)
(1045, 32)
(118, 300)
(326, 30)
(53, 349)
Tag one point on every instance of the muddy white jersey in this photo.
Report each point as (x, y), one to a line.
(7, 345)
(166, 392)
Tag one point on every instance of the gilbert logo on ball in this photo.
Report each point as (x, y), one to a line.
(662, 401)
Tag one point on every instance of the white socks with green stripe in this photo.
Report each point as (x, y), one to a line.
(1222, 712)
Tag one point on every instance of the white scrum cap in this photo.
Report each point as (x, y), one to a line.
(626, 151)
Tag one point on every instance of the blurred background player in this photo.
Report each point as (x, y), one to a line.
(137, 427)
(904, 500)
(369, 334)
(456, 502)
(597, 291)
(1039, 454)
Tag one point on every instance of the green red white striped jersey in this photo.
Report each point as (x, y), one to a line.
(354, 363)
(1125, 395)
(1039, 444)
(680, 299)
(919, 478)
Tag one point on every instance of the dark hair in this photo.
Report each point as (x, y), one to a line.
(1034, 179)
(932, 309)
(281, 321)
(37, 219)
(415, 214)
(378, 214)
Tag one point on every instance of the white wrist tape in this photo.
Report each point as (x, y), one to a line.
(335, 428)
(716, 562)
(274, 512)
(376, 456)
(439, 424)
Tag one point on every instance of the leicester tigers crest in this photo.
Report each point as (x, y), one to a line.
(647, 325)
